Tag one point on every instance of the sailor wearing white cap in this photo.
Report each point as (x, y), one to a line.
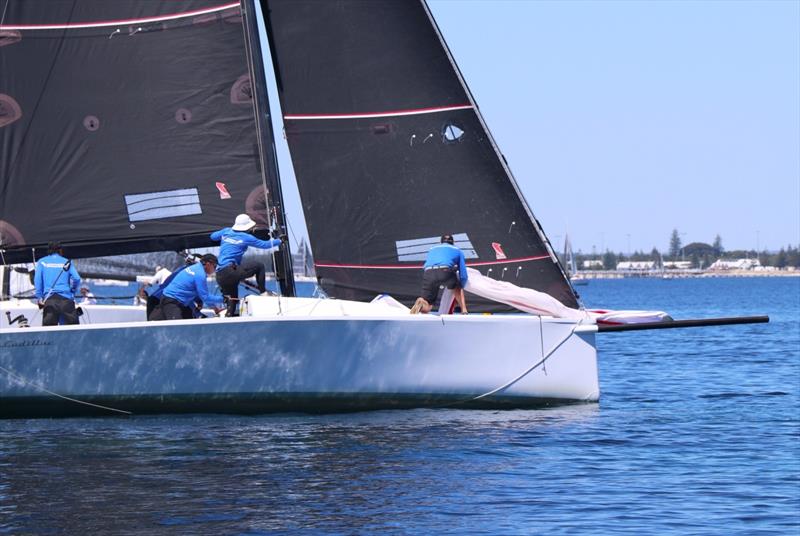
(234, 242)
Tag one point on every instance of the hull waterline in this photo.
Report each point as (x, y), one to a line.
(304, 364)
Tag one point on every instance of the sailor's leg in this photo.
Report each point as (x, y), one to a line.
(171, 309)
(50, 312)
(459, 294)
(228, 280)
(68, 312)
(233, 299)
(156, 314)
(152, 303)
(254, 268)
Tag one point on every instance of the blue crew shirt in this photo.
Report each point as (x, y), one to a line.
(233, 244)
(51, 278)
(448, 255)
(189, 285)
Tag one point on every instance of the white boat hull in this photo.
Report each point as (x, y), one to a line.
(295, 363)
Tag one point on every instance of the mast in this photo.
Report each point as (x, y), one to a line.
(270, 172)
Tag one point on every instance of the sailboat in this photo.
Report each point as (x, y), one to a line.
(144, 126)
(575, 277)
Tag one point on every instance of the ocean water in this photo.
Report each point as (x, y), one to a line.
(697, 432)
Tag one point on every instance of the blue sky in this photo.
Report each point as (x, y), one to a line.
(624, 120)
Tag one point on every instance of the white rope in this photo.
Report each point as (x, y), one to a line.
(313, 307)
(3, 17)
(20, 378)
(531, 369)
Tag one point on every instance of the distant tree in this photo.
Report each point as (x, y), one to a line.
(655, 256)
(700, 249)
(609, 260)
(674, 244)
(718, 249)
(792, 256)
(781, 259)
(695, 260)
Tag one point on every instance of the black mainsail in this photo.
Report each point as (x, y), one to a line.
(125, 126)
(390, 152)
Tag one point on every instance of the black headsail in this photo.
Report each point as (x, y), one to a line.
(125, 126)
(390, 152)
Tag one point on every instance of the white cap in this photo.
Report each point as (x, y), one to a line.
(243, 223)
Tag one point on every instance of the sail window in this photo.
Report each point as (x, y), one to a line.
(10, 111)
(452, 133)
(183, 116)
(417, 249)
(159, 205)
(91, 123)
(383, 128)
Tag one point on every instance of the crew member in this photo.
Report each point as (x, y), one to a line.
(160, 276)
(234, 241)
(187, 286)
(56, 282)
(444, 268)
(88, 297)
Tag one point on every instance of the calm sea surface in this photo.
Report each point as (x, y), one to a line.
(697, 432)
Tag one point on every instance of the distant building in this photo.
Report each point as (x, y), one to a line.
(735, 264)
(636, 266)
(592, 264)
(677, 265)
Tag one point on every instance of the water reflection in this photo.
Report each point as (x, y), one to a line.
(237, 474)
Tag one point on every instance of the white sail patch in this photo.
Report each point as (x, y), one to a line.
(158, 205)
(417, 249)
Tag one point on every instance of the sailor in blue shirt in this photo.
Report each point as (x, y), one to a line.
(56, 282)
(187, 286)
(444, 268)
(234, 241)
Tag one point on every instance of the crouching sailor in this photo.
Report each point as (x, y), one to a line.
(187, 286)
(234, 242)
(56, 283)
(444, 267)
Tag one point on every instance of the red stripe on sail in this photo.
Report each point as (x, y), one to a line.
(367, 115)
(419, 266)
(123, 22)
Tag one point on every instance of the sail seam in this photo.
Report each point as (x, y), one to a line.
(369, 115)
(101, 24)
(419, 266)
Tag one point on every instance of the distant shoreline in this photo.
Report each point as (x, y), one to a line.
(613, 274)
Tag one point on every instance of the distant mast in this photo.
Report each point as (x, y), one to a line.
(284, 270)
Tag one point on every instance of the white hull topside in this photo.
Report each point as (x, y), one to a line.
(290, 354)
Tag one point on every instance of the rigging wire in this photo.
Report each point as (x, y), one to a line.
(536, 365)
(75, 400)
(3, 16)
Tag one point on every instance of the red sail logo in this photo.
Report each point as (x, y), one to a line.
(223, 191)
(498, 251)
